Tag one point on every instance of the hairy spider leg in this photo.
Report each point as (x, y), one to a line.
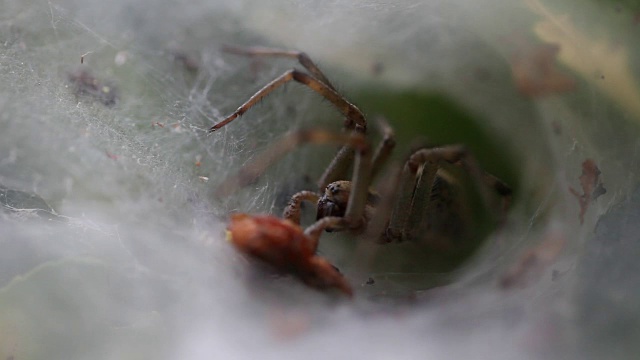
(355, 120)
(339, 165)
(384, 149)
(375, 232)
(416, 183)
(260, 51)
(345, 107)
(301, 57)
(315, 230)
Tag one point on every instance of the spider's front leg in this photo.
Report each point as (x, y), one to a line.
(336, 197)
(317, 81)
(259, 51)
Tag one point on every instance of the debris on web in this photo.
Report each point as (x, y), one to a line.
(87, 85)
(24, 205)
(592, 186)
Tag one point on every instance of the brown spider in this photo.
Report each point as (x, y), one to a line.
(397, 214)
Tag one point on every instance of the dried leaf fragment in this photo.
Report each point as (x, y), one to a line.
(535, 72)
(591, 185)
(588, 56)
(532, 262)
(85, 84)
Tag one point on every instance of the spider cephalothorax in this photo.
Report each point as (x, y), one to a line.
(335, 198)
(411, 192)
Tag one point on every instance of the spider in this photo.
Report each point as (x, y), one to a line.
(411, 192)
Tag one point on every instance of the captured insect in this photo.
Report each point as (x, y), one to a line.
(413, 205)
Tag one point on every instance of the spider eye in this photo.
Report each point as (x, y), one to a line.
(327, 207)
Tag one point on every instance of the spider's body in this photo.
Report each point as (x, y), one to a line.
(335, 199)
(414, 203)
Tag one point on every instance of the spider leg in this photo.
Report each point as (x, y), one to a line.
(417, 181)
(315, 230)
(389, 187)
(317, 81)
(320, 272)
(375, 233)
(293, 209)
(340, 164)
(360, 182)
(349, 110)
(384, 149)
(303, 58)
(399, 217)
(500, 186)
(423, 201)
(337, 168)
